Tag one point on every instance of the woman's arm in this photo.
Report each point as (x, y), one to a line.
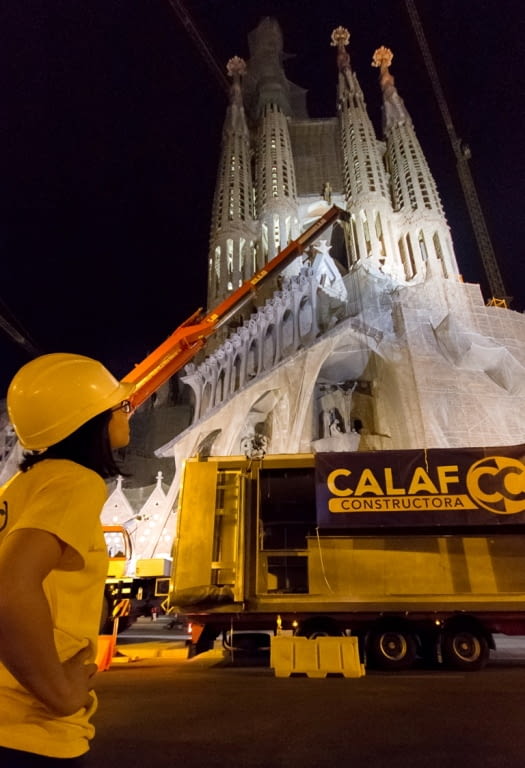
(27, 647)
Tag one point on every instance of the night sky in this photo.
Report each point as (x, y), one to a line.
(113, 132)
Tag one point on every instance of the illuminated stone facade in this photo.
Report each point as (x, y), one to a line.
(369, 340)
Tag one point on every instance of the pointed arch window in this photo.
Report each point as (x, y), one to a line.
(268, 350)
(366, 232)
(229, 262)
(206, 398)
(439, 253)
(306, 318)
(379, 234)
(422, 245)
(219, 390)
(407, 257)
(411, 259)
(276, 233)
(217, 264)
(252, 367)
(236, 374)
(355, 241)
(242, 256)
(264, 238)
(287, 332)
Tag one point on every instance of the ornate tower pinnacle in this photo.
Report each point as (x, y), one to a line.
(236, 69)
(340, 39)
(382, 59)
(236, 66)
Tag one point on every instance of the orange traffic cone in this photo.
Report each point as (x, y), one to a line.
(106, 648)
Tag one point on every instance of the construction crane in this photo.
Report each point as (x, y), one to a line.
(17, 334)
(202, 45)
(463, 155)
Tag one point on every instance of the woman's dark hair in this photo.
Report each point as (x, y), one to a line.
(89, 445)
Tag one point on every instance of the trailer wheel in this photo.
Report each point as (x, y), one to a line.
(319, 626)
(465, 648)
(391, 648)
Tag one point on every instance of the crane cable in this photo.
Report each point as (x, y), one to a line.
(18, 334)
(202, 45)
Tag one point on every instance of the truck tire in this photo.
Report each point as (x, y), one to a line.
(465, 648)
(391, 648)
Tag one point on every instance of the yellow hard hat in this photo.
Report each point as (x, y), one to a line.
(52, 396)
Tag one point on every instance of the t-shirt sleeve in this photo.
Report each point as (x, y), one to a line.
(68, 504)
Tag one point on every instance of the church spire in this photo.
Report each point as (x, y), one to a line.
(364, 172)
(425, 245)
(394, 110)
(232, 239)
(366, 185)
(266, 67)
(277, 208)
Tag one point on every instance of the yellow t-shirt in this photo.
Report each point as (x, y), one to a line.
(65, 499)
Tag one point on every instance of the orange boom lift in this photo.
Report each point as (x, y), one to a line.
(191, 335)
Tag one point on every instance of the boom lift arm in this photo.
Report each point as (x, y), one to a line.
(191, 335)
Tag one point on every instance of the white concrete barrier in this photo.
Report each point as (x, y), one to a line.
(317, 657)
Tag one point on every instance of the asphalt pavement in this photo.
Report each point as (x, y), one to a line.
(157, 708)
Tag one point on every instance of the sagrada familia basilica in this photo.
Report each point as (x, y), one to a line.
(370, 340)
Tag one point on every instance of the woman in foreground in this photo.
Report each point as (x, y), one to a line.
(69, 414)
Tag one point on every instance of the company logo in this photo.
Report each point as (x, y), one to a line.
(380, 491)
(494, 483)
(497, 483)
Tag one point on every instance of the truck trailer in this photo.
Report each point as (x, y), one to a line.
(419, 554)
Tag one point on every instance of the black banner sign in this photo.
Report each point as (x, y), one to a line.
(448, 487)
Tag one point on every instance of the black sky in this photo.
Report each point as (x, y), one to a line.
(113, 132)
